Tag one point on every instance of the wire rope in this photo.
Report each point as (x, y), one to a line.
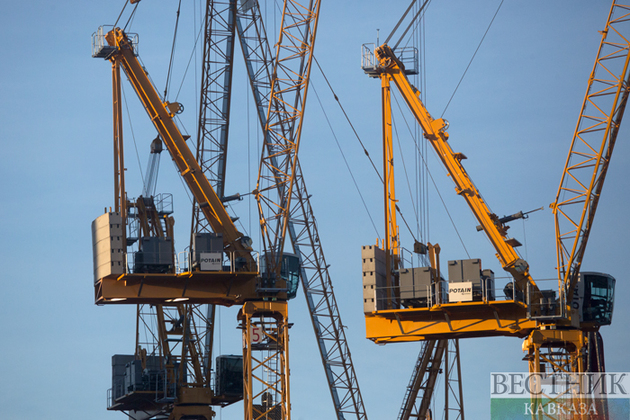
(133, 12)
(462, 78)
(344, 158)
(249, 163)
(424, 181)
(525, 241)
(422, 217)
(237, 219)
(181, 180)
(434, 184)
(472, 58)
(193, 54)
(400, 21)
(413, 21)
(121, 13)
(131, 17)
(402, 159)
(421, 209)
(452, 96)
(348, 119)
(170, 63)
(133, 136)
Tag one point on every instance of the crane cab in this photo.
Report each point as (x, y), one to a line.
(593, 298)
(289, 272)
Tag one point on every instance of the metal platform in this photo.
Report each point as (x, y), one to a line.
(449, 321)
(216, 287)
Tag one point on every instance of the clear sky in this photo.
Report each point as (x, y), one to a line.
(513, 116)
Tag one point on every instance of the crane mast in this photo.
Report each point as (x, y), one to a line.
(295, 45)
(301, 225)
(433, 355)
(215, 98)
(304, 235)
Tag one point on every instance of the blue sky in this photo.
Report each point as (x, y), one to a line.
(513, 116)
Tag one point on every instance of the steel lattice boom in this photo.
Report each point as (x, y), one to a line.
(302, 229)
(592, 145)
(289, 87)
(215, 98)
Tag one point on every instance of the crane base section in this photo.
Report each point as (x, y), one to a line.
(449, 321)
(217, 287)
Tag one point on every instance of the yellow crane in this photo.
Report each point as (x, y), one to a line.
(560, 326)
(262, 289)
(437, 320)
(164, 287)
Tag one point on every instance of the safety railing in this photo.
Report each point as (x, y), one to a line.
(369, 63)
(549, 304)
(110, 394)
(484, 290)
(100, 46)
(163, 203)
(162, 390)
(133, 226)
(155, 263)
(183, 261)
(408, 56)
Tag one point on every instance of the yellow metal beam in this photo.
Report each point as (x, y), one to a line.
(391, 243)
(220, 288)
(449, 321)
(120, 200)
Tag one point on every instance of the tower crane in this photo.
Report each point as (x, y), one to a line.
(302, 226)
(575, 345)
(385, 279)
(164, 382)
(560, 326)
(303, 231)
(209, 215)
